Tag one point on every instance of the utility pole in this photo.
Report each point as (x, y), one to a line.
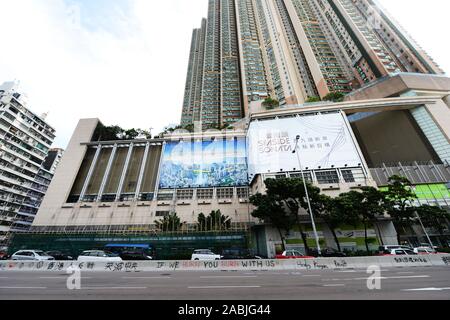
(319, 251)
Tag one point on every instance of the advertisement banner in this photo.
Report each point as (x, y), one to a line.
(203, 164)
(324, 142)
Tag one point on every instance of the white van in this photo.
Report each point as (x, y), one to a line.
(205, 254)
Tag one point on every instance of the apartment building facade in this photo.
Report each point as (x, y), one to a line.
(291, 50)
(120, 191)
(25, 140)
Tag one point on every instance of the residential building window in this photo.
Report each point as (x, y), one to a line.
(165, 196)
(225, 193)
(185, 194)
(348, 176)
(326, 177)
(205, 193)
(307, 175)
(242, 193)
(162, 213)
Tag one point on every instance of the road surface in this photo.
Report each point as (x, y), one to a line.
(431, 283)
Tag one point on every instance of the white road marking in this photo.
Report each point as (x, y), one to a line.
(62, 277)
(112, 288)
(223, 287)
(347, 271)
(334, 285)
(395, 277)
(222, 277)
(312, 275)
(146, 277)
(378, 278)
(427, 289)
(23, 287)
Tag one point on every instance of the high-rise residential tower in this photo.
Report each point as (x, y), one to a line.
(291, 51)
(25, 139)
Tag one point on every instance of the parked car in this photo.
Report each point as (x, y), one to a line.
(205, 254)
(4, 255)
(98, 255)
(134, 256)
(35, 255)
(327, 252)
(425, 250)
(400, 252)
(292, 254)
(386, 249)
(58, 255)
(237, 254)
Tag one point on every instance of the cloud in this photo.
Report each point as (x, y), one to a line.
(128, 69)
(424, 22)
(125, 61)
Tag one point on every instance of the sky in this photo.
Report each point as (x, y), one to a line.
(125, 61)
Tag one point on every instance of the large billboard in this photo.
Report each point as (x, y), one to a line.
(202, 164)
(325, 142)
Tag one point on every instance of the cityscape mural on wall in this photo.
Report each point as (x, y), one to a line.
(203, 164)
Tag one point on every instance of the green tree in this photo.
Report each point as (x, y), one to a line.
(331, 212)
(435, 218)
(169, 223)
(363, 207)
(399, 203)
(216, 221)
(313, 99)
(334, 96)
(270, 103)
(290, 194)
(112, 133)
(107, 133)
(270, 211)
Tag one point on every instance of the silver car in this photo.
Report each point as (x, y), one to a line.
(33, 255)
(205, 254)
(98, 255)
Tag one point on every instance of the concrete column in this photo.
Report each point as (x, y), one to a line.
(107, 172)
(440, 112)
(124, 172)
(447, 100)
(91, 171)
(142, 171)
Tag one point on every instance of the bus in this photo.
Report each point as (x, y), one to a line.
(132, 252)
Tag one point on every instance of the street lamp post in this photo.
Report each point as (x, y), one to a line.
(425, 231)
(307, 197)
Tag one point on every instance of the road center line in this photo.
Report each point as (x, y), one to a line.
(427, 289)
(223, 287)
(334, 285)
(225, 277)
(23, 287)
(377, 278)
(395, 277)
(146, 277)
(62, 277)
(112, 288)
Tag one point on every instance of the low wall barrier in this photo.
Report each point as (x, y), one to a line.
(231, 265)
